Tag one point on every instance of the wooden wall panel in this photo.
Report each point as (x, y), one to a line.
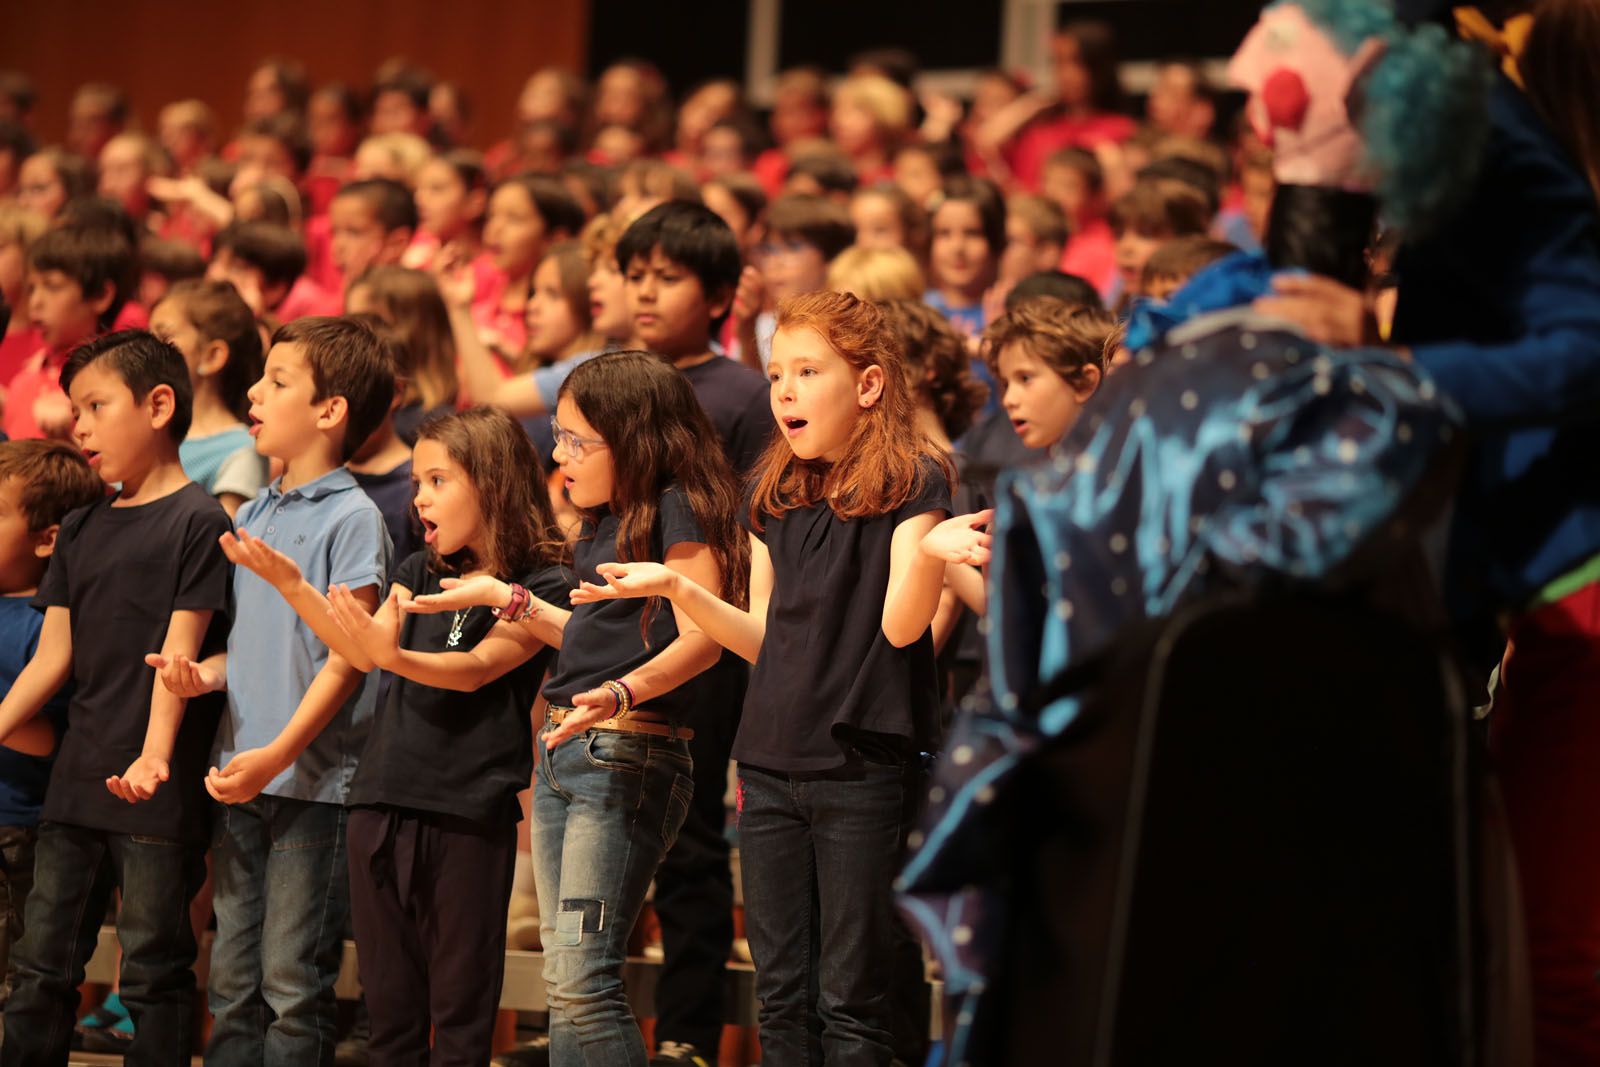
(164, 50)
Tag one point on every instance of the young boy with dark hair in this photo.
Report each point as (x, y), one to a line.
(297, 714)
(681, 264)
(804, 234)
(267, 263)
(40, 481)
(1153, 212)
(371, 223)
(127, 806)
(78, 279)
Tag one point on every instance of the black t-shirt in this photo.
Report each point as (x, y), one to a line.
(827, 680)
(737, 400)
(602, 640)
(393, 493)
(439, 750)
(122, 572)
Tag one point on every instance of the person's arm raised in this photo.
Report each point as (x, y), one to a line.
(547, 623)
(283, 574)
(921, 547)
(739, 631)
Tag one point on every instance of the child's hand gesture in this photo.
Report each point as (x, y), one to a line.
(185, 678)
(750, 297)
(627, 580)
(141, 780)
(481, 590)
(377, 634)
(261, 559)
(453, 274)
(962, 539)
(588, 708)
(245, 776)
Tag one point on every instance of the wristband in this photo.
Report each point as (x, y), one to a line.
(623, 696)
(519, 600)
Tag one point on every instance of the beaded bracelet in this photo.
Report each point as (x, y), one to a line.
(513, 609)
(623, 695)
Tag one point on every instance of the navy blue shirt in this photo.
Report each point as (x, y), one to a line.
(22, 777)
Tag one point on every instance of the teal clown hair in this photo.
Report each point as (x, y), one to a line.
(1421, 108)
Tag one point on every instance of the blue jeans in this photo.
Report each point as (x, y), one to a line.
(75, 870)
(819, 855)
(606, 807)
(281, 900)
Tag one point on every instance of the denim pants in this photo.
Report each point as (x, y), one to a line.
(16, 879)
(75, 870)
(607, 806)
(281, 900)
(819, 855)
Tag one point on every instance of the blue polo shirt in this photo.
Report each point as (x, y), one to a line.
(336, 534)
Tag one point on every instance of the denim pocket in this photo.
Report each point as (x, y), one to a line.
(677, 809)
(613, 750)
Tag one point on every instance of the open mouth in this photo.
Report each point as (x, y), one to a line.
(92, 457)
(255, 425)
(1020, 425)
(793, 425)
(430, 531)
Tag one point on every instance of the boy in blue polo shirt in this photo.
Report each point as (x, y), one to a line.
(297, 714)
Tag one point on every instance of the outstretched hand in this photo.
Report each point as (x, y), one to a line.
(962, 539)
(261, 559)
(481, 590)
(183, 677)
(378, 635)
(627, 580)
(141, 780)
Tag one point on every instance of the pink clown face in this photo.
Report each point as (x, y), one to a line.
(1300, 88)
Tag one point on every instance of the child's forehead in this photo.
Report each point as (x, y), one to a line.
(99, 378)
(657, 258)
(288, 354)
(352, 205)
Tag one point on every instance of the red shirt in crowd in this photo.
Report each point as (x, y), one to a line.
(1038, 141)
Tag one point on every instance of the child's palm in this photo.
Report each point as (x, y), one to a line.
(260, 558)
(962, 539)
(626, 580)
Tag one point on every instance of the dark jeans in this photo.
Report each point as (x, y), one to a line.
(281, 902)
(428, 899)
(819, 857)
(16, 879)
(694, 884)
(75, 870)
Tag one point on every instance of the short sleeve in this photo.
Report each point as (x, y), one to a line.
(550, 584)
(677, 522)
(243, 472)
(53, 586)
(933, 496)
(412, 573)
(204, 574)
(359, 551)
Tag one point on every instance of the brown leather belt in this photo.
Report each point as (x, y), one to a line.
(636, 723)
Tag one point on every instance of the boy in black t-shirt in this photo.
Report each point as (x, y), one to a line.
(681, 262)
(126, 806)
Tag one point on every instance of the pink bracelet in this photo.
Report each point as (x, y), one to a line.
(519, 599)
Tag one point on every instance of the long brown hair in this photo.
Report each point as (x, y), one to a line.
(883, 464)
(660, 437)
(494, 450)
(1558, 71)
(409, 301)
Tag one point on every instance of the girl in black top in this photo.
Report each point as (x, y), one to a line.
(644, 466)
(432, 826)
(847, 563)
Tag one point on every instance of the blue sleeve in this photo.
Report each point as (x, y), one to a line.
(359, 552)
(1550, 283)
(677, 522)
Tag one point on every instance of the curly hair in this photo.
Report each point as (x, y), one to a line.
(937, 370)
(1067, 338)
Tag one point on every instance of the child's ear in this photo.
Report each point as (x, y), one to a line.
(44, 541)
(163, 405)
(1088, 382)
(101, 301)
(335, 410)
(721, 303)
(477, 204)
(273, 295)
(395, 243)
(213, 358)
(869, 387)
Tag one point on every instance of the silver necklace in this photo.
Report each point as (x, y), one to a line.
(455, 628)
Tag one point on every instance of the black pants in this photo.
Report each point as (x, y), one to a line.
(694, 884)
(75, 869)
(428, 898)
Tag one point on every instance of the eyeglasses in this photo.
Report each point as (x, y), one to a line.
(571, 442)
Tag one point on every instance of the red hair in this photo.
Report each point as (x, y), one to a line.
(883, 463)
